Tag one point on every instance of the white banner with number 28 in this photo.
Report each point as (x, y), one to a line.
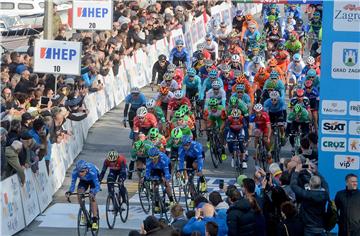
(57, 57)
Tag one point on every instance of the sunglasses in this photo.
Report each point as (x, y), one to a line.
(274, 100)
(213, 107)
(141, 117)
(216, 89)
(240, 91)
(312, 77)
(82, 171)
(297, 61)
(153, 157)
(308, 87)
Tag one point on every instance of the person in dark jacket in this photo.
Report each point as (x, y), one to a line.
(346, 202)
(313, 203)
(177, 212)
(159, 69)
(240, 217)
(290, 225)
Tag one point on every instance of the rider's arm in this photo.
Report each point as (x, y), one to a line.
(127, 105)
(166, 167)
(148, 169)
(188, 59)
(103, 170)
(94, 176)
(199, 156)
(74, 177)
(154, 71)
(198, 80)
(203, 88)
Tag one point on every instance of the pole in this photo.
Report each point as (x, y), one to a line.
(56, 81)
(48, 19)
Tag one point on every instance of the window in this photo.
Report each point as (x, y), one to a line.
(41, 4)
(7, 5)
(25, 6)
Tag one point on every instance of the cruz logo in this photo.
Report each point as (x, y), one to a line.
(57, 53)
(332, 144)
(95, 12)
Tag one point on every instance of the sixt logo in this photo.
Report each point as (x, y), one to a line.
(57, 53)
(95, 12)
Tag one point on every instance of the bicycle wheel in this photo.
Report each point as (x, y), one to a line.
(124, 207)
(144, 197)
(165, 205)
(111, 211)
(218, 149)
(238, 164)
(176, 185)
(213, 153)
(187, 196)
(95, 232)
(82, 224)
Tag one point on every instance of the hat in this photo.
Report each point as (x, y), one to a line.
(69, 81)
(162, 57)
(20, 68)
(26, 116)
(275, 169)
(25, 136)
(240, 179)
(150, 223)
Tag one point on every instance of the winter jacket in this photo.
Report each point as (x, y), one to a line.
(294, 227)
(349, 215)
(241, 219)
(199, 225)
(221, 210)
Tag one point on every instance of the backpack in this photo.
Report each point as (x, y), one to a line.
(330, 215)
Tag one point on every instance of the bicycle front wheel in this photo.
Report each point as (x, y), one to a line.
(213, 153)
(176, 185)
(82, 224)
(96, 231)
(144, 197)
(124, 207)
(111, 211)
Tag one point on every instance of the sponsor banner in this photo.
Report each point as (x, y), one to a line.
(333, 144)
(334, 107)
(57, 57)
(92, 15)
(345, 60)
(346, 16)
(175, 35)
(12, 215)
(354, 144)
(346, 162)
(333, 126)
(354, 127)
(354, 108)
(29, 197)
(43, 186)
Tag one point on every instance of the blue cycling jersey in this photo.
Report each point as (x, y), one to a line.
(162, 164)
(195, 152)
(245, 98)
(182, 54)
(207, 85)
(136, 102)
(91, 175)
(203, 73)
(195, 84)
(273, 108)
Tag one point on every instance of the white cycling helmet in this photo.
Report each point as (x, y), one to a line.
(216, 84)
(258, 107)
(171, 67)
(200, 46)
(310, 60)
(178, 94)
(274, 95)
(150, 103)
(235, 58)
(135, 90)
(141, 111)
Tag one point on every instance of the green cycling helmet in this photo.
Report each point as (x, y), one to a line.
(271, 85)
(176, 133)
(179, 114)
(153, 133)
(184, 108)
(213, 102)
(233, 101)
(138, 145)
(297, 108)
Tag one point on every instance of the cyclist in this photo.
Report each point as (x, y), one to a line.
(157, 112)
(163, 98)
(213, 76)
(241, 79)
(311, 75)
(205, 70)
(313, 95)
(276, 108)
(143, 122)
(216, 92)
(175, 103)
(315, 24)
(259, 80)
(134, 100)
(294, 72)
(282, 57)
(253, 67)
(262, 123)
(293, 8)
(298, 118)
(201, 51)
(88, 174)
(157, 139)
(139, 155)
(180, 120)
(159, 69)
(180, 55)
(236, 63)
(173, 144)
(117, 173)
(238, 20)
(300, 98)
(249, 19)
(272, 24)
(228, 79)
(157, 168)
(251, 35)
(293, 45)
(222, 36)
(169, 82)
(241, 95)
(191, 84)
(279, 85)
(211, 46)
(198, 62)
(191, 152)
(310, 64)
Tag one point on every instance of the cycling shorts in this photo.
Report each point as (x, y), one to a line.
(277, 117)
(158, 173)
(85, 184)
(189, 162)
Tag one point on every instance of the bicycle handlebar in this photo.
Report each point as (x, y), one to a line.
(83, 195)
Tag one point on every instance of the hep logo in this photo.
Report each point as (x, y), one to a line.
(57, 53)
(347, 162)
(334, 104)
(95, 12)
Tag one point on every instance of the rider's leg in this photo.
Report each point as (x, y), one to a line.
(315, 117)
(168, 190)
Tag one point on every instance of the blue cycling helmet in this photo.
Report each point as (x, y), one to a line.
(81, 164)
(274, 75)
(273, 5)
(186, 139)
(256, 60)
(179, 42)
(191, 72)
(240, 87)
(311, 73)
(154, 151)
(213, 74)
(297, 57)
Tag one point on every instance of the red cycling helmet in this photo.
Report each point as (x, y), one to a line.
(300, 93)
(308, 83)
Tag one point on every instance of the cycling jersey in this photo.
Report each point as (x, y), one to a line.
(205, 52)
(215, 117)
(163, 99)
(174, 104)
(159, 114)
(171, 144)
(313, 96)
(159, 71)
(142, 152)
(305, 102)
(244, 97)
(302, 117)
(251, 37)
(193, 85)
(136, 102)
(172, 86)
(213, 49)
(194, 152)
(261, 122)
(235, 124)
(296, 68)
(91, 176)
(260, 80)
(316, 82)
(221, 97)
(269, 106)
(293, 47)
(251, 67)
(207, 85)
(116, 167)
(183, 56)
(159, 142)
(147, 123)
(161, 165)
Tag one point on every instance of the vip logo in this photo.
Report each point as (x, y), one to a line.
(346, 162)
(350, 56)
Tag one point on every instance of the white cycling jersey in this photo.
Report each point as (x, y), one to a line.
(172, 87)
(164, 99)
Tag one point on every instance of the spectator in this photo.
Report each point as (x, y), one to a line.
(28, 155)
(285, 184)
(211, 229)
(221, 207)
(24, 85)
(179, 220)
(306, 151)
(3, 133)
(152, 226)
(290, 225)
(26, 121)
(313, 202)
(346, 202)
(15, 131)
(12, 160)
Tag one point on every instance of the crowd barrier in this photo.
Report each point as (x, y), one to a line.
(22, 204)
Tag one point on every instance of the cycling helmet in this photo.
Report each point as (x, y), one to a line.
(255, 47)
(290, 15)
(208, 62)
(241, 79)
(135, 90)
(153, 133)
(271, 18)
(293, 36)
(280, 46)
(167, 77)
(213, 74)
(236, 113)
(200, 46)
(199, 56)
(273, 62)
(300, 93)
(178, 94)
(171, 67)
(274, 75)
(208, 36)
(164, 90)
(179, 114)
(216, 84)
(289, 28)
(310, 60)
(251, 25)
(213, 102)
(226, 68)
(186, 139)
(176, 133)
(272, 6)
(299, 21)
(297, 57)
(235, 58)
(153, 152)
(191, 72)
(233, 101)
(249, 17)
(256, 60)
(81, 164)
(162, 57)
(240, 12)
(308, 83)
(138, 144)
(262, 70)
(258, 107)
(237, 73)
(240, 87)
(112, 155)
(179, 42)
(271, 85)
(316, 14)
(311, 73)
(297, 108)
(150, 103)
(274, 95)
(184, 108)
(141, 111)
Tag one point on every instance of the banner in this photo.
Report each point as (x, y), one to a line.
(29, 197)
(175, 35)
(339, 120)
(43, 187)
(12, 215)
